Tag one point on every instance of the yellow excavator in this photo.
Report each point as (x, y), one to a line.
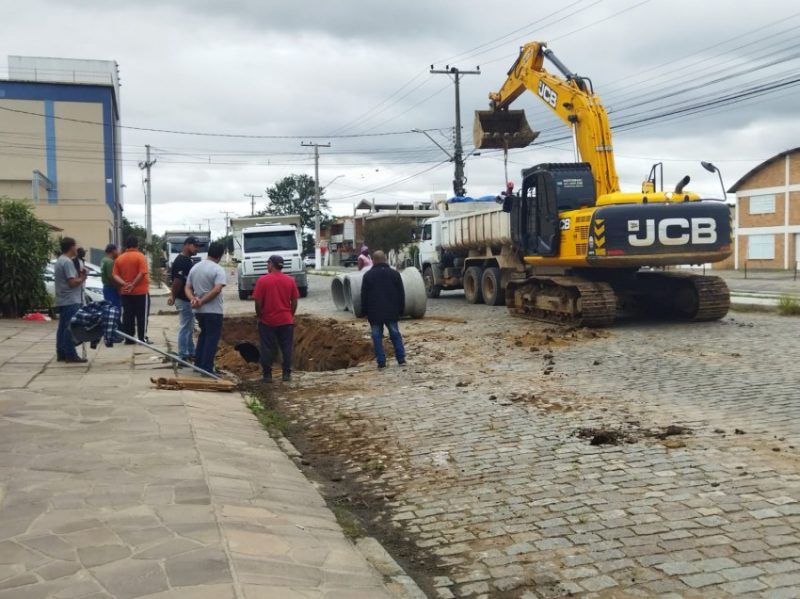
(589, 249)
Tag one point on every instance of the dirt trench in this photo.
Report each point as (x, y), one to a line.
(319, 344)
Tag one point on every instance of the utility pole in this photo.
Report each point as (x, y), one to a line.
(317, 250)
(459, 180)
(252, 197)
(148, 195)
(227, 221)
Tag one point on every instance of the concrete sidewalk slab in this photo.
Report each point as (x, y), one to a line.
(112, 489)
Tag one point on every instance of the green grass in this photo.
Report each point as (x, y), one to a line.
(271, 420)
(788, 306)
(347, 522)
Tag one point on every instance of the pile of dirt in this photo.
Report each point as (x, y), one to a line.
(630, 433)
(319, 344)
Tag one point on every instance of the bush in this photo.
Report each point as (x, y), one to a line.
(788, 306)
(25, 250)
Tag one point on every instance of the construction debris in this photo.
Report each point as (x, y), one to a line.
(193, 384)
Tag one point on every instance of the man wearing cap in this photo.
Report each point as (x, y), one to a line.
(276, 296)
(110, 293)
(177, 295)
(204, 290)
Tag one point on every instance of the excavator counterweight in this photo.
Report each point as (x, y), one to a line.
(501, 129)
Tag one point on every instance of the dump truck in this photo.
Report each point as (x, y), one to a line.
(572, 248)
(173, 241)
(257, 238)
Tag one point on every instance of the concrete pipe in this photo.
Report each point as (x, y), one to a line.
(414, 287)
(352, 293)
(337, 292)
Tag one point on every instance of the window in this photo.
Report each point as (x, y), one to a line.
(270, 241)
(760, 247)
(762, 204)
(427, 233)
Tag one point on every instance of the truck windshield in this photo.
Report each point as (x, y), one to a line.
(176, 247)
(269, 241)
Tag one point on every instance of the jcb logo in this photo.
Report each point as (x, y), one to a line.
(673, 231)
(547, 94)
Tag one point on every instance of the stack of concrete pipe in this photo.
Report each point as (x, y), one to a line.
(346, 292)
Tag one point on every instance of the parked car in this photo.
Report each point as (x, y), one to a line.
(93, 286)
(350, 261)
(309, 261)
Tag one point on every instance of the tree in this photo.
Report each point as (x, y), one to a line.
(388, 233)
(25, 250)
(227, 242)
(295, 195)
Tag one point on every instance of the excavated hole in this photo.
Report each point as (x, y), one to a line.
(319, 344)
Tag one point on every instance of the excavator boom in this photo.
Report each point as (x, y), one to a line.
(571, 97)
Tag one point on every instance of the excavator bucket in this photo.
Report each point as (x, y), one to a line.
(499, 129)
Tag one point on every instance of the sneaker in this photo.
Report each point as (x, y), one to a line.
(381, 366)
(401, 362)
(76, 360)
(60, 358)
(266, 379)
(286, 376)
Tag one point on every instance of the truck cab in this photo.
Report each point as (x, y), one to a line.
(256, 244)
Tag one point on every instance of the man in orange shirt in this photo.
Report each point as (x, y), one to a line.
(130, 272)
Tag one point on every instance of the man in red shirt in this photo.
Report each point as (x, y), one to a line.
(276, 296)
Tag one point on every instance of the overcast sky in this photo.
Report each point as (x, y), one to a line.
(352, 67)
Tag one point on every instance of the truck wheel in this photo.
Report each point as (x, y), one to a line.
(432, 290)
(493, 292)
(472, 285)
(303, 291)
(243, 295)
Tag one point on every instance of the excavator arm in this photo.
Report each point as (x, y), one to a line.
(571, 98)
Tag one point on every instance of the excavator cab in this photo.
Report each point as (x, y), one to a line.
(501, 130)
(547, 190)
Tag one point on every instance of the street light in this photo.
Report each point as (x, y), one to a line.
(713, 169)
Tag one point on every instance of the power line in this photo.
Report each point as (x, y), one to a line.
(205, 133)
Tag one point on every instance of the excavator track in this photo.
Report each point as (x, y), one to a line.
(685, 296)
(563, 300)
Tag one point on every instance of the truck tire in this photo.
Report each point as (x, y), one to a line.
(472, 285)
(493, 292)
(244, 295)
(303, 291)
(432, 290)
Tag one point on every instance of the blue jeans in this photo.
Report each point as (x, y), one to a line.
(65, 344)
(394, 335)
(186, 328)
(208, 340)
(111, 295)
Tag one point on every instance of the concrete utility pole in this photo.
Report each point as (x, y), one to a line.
(252, 197)
(148, 195)
(317, 251)
(459, 180)
(227, 221)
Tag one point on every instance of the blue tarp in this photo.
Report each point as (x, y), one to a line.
(457, 199)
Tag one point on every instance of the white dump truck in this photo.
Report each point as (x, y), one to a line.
(256, 238)
(468, 246)
(173, 240)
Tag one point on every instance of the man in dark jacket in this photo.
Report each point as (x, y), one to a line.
(383, 303)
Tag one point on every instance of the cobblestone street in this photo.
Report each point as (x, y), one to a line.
(475, 445)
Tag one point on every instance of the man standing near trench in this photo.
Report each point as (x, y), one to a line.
(383, 302)
(204, 291)
(177, 295)
(131, 274)
(276, 296)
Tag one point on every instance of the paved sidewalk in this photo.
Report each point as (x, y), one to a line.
(109, 488)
